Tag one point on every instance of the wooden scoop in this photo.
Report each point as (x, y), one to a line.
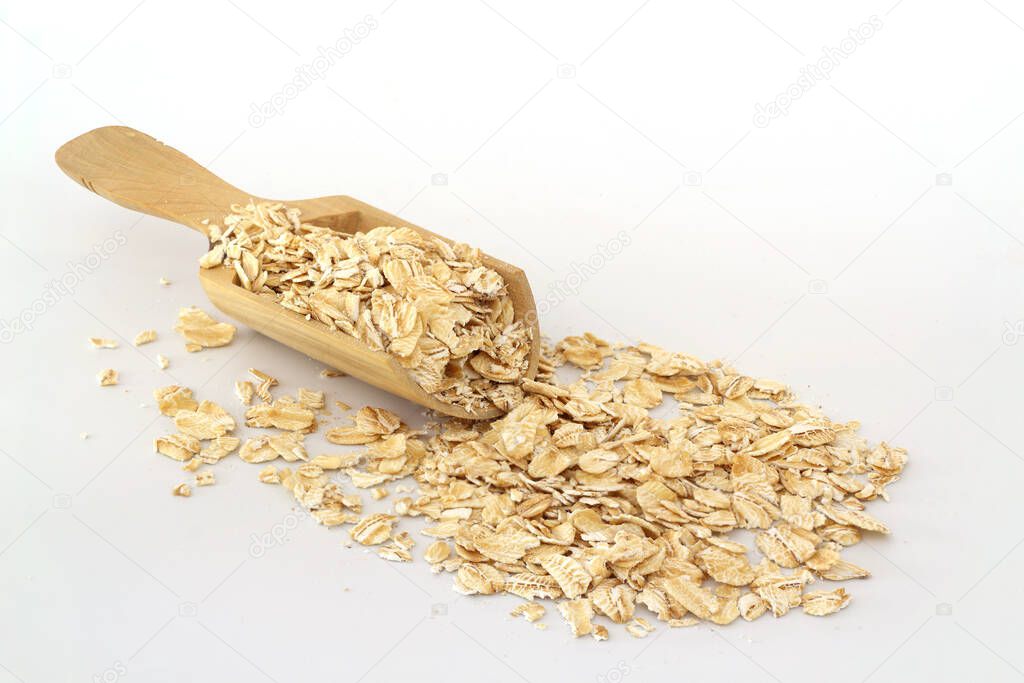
(134, 170)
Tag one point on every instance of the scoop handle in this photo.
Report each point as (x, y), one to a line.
(141, 173)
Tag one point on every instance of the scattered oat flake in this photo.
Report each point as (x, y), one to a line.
(367, 480)
(179, 447)
(309, 470)
(286, 445)
(404, 540)
(164, 281)
(639, 628)
(144, 337)
(107, 378)
(578, 614)
(350, 436)
(394, 553)
(531, 611)
(244, 391)
(269, 475)
(101, 343)
(372, 530)
(822, 603)
(436, 552)
(263, 377)
(162, 362)
(266, 382)
(331, 462)
(314, 400)
(182, 490)
(219, 448)
(207, 421)
(200, 329)
(174, 398)
(570, 575)
(280, 414)
(205, 478)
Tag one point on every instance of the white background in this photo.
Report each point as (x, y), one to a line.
(824, 249)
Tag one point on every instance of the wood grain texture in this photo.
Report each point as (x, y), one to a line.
(138, 172)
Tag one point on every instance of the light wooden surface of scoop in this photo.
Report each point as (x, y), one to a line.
(138, 172)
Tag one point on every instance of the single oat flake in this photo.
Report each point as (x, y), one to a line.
(372, 530)
(201, 330)
(101, 343)
(207, 421)
(107, 378)
(174, 398)
(179, 447)
(531, 611)
(269, 475)
(822, 603)
(144, 337)
(437, 552)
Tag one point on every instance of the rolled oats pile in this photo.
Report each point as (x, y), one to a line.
(648, 483)
(581, 495)
(432, 305)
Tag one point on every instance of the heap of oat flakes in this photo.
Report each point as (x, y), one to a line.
(582, 495)
(434, 306)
